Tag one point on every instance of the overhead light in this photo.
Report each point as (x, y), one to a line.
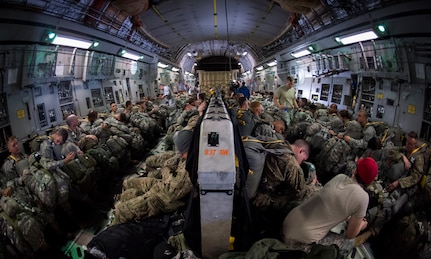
(259, 68)
(311, 48)
(244, 53)
(272, 63)
(51, 35)
(301, 53)
(126, 54)
(363, 36)
(161, 65)
(381, 28)
(189, 54)
(95, 44)
(69, 41)
(175, 69)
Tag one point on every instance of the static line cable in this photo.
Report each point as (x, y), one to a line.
(227, 31)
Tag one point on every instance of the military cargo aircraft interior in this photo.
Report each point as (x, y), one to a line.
(215, 129)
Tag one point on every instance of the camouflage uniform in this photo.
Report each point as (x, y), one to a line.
(282, 181)
(416, 171)
(267, 130)
(117, 127)
(95, 128)
(10, 177)
(20, 219)
(368, 132)
(51, 155)
(147, 196)
(74, 136)
(9, 174)
(246, 122)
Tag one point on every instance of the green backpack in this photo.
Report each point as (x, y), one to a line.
(82, 172)
(35, 143)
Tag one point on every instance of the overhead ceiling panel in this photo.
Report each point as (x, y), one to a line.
(173, 28)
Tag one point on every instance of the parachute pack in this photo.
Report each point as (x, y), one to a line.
(82, 172)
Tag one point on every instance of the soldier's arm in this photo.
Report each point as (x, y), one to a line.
(355, 226)
(415, 174)
(47, 159)
(363, 142)
(276, 100)
(307, 191)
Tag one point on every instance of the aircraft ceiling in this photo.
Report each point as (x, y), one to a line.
(188, 31)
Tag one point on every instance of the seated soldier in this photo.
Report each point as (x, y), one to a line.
(283, 184)
(414, 163)
(95, 127)
(73, 128)
(360, 145)
(275, 130)
(161, 191)
(51, 150)
(245, 117)
(18, 205)
(117, 124)
(352, 128)
(343, 199)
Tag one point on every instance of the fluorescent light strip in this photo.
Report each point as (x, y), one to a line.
(175, 69)
(301, 53)
(161, 65)
(259, 68)
(71, 42)
(364, 36)
(131, 56)
(273, 63)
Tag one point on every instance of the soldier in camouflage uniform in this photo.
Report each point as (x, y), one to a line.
(283, 179)
(17, 202)
(161, 191)
(368, 132)
(53, 160)
(414, 161)
(95, 127)
(274, 130)
(245, 117)
(51, 150)
(75, 132)
(10, 176)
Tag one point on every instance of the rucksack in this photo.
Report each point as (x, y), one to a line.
(51, 188)
(118, 147)
(132, 240)
(379, 126)
(24, 230)
(394, 134)
(256, 155)
(106, 162)
(331, 160)
(35, 143)
(413, 231)
(82, 172)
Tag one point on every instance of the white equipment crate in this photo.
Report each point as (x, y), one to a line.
(216, 178)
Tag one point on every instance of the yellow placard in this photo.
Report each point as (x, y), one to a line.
(411, 109)
(379, 96)
(20, 114)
